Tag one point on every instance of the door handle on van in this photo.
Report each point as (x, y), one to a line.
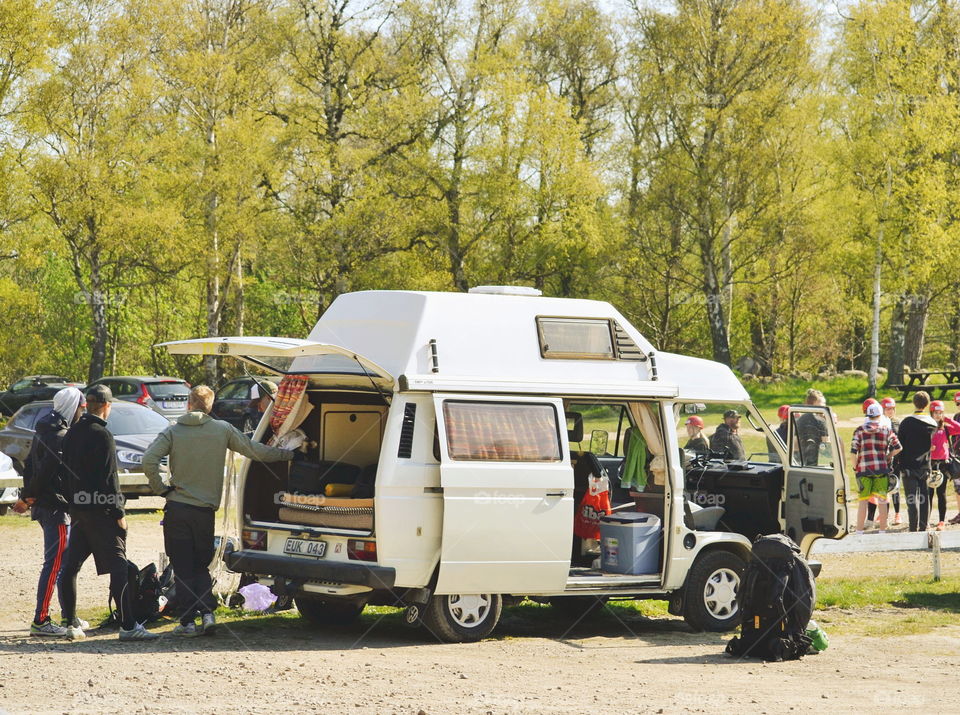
(556, 494)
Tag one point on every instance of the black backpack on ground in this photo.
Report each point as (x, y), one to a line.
(777, 596)
(145, 594)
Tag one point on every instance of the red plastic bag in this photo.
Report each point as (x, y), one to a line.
(594, 505)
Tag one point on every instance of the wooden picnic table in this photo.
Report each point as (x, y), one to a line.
(919, 380)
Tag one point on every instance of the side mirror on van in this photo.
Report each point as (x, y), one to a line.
(598, 441)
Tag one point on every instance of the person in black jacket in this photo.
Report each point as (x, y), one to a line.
(43, 493)
(915, 435)
(99, 526)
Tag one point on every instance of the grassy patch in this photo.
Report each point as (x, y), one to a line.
(840, 391)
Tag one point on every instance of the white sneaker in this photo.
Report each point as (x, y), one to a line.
(867, 524)
(75, 633)
(859, 533)
(209, 624)
(138, 633)
(77, 622)
(188, 630)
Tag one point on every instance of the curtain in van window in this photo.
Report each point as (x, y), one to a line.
(288, 410)
(503, 432)
(647, 417)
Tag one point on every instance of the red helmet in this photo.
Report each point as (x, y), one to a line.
(695, 420)
(783, 412)
(867, 402)
(956, 397)
(936, 405)
(888, 402)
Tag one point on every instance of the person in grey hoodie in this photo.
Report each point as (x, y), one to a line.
(197, 445)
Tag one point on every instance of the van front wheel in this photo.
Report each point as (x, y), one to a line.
(711, 597)
(329, 611)
(459, 618)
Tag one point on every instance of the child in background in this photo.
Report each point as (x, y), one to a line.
(874, 446)
(696, 442)
(889, 406)
(940, 455)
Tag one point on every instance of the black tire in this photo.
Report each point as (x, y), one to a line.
(707, 594)
(575, 608)
(462, 618)
(329, 611)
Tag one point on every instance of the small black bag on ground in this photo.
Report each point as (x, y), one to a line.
(777, 597)
(145, 593)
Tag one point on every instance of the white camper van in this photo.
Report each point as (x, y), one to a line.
(451, 438)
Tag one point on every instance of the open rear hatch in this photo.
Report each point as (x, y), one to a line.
(293, 356)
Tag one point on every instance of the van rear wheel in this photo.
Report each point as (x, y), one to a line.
(711, 596)
(329, 611)
(459, 618)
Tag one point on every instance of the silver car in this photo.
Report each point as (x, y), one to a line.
(164, 395)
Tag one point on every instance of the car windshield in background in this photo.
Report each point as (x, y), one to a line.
(167, 390)
(136, 420)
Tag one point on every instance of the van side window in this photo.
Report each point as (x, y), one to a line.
(501, 432)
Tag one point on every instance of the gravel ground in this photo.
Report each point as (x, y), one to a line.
(647, 665)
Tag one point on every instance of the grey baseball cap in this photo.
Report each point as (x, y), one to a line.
(100, 394)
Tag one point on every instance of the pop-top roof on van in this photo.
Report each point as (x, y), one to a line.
(487, 338)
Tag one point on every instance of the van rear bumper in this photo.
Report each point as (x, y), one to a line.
(379, 578)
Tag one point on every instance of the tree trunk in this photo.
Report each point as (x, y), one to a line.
(98, 310)
(240, 294)
(213, 266)
(713, 294)
(918, 307)
(875, 328)
(898, 331)
(454, 199)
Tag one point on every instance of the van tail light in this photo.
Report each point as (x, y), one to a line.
(144, 397)
(255, 539)
(360, 550)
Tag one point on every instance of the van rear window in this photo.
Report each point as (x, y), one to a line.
(501, 432)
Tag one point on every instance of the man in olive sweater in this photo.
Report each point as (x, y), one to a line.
(197, 445)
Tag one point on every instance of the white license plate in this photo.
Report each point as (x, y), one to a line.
(305, 547)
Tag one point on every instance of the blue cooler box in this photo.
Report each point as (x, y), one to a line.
(630, 543)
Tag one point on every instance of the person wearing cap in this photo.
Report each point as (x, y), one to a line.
(783, 414)
(45, 495)
(98, 520)
(726, 438)
(265, 392)
(884, 420)
(197, 446)
(889, 406)
(696, 442)
(874, 446)
(940, 457)
(915, 433)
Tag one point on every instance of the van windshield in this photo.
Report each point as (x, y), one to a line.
(722, 428)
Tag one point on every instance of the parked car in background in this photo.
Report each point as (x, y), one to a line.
(132, 426)
(8, 495)
(164, 395)
(234, 399)
(32, 388)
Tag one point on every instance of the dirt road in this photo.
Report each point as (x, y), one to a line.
(535, 663)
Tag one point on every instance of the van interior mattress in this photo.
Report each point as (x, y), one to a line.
(339, 513)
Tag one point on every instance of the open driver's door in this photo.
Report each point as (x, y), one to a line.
(507, 495)
(815, 482)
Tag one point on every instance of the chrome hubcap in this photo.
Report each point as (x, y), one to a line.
(720, 593)
(468, 610)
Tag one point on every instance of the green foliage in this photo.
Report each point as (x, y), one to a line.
(721, 171)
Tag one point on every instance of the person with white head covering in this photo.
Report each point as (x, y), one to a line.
(44, 493)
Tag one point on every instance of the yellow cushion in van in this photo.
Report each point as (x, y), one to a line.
(338, 490)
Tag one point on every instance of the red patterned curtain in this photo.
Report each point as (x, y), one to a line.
(287, 400)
